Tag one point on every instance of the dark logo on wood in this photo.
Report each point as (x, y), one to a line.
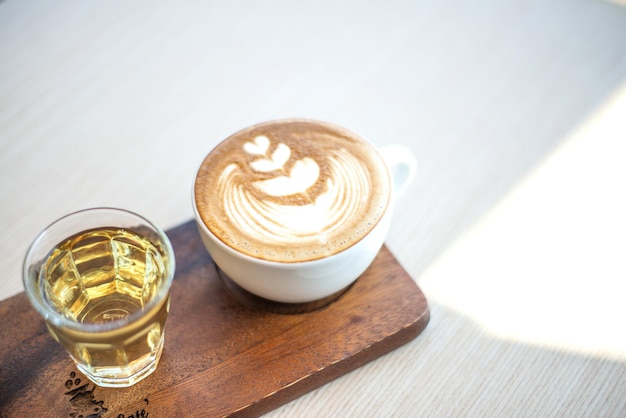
(84, 403)
(82, 399)
(137, 414)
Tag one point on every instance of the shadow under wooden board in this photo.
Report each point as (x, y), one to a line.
(221, 356)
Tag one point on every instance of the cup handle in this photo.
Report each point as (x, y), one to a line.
(402, 166)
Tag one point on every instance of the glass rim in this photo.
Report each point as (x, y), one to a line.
(51, 315)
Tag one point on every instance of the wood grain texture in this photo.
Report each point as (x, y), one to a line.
(221, 357)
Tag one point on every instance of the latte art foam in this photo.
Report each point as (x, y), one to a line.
(292, 191)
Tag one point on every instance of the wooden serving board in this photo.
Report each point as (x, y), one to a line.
(221, 357)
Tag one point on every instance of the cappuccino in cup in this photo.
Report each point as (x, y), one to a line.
(292, 191)
(295, 210)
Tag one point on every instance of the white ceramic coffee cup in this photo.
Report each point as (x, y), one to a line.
(312, 280)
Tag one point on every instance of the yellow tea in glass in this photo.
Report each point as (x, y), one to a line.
(101, 279)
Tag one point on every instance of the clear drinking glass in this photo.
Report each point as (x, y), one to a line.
(101, 279)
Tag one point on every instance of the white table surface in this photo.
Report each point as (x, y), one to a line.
(514, 227)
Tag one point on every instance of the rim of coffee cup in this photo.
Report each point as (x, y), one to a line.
(199, 220)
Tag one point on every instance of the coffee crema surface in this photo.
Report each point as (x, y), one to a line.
(292, 191)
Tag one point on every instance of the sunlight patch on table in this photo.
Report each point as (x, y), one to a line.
(548, 265)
